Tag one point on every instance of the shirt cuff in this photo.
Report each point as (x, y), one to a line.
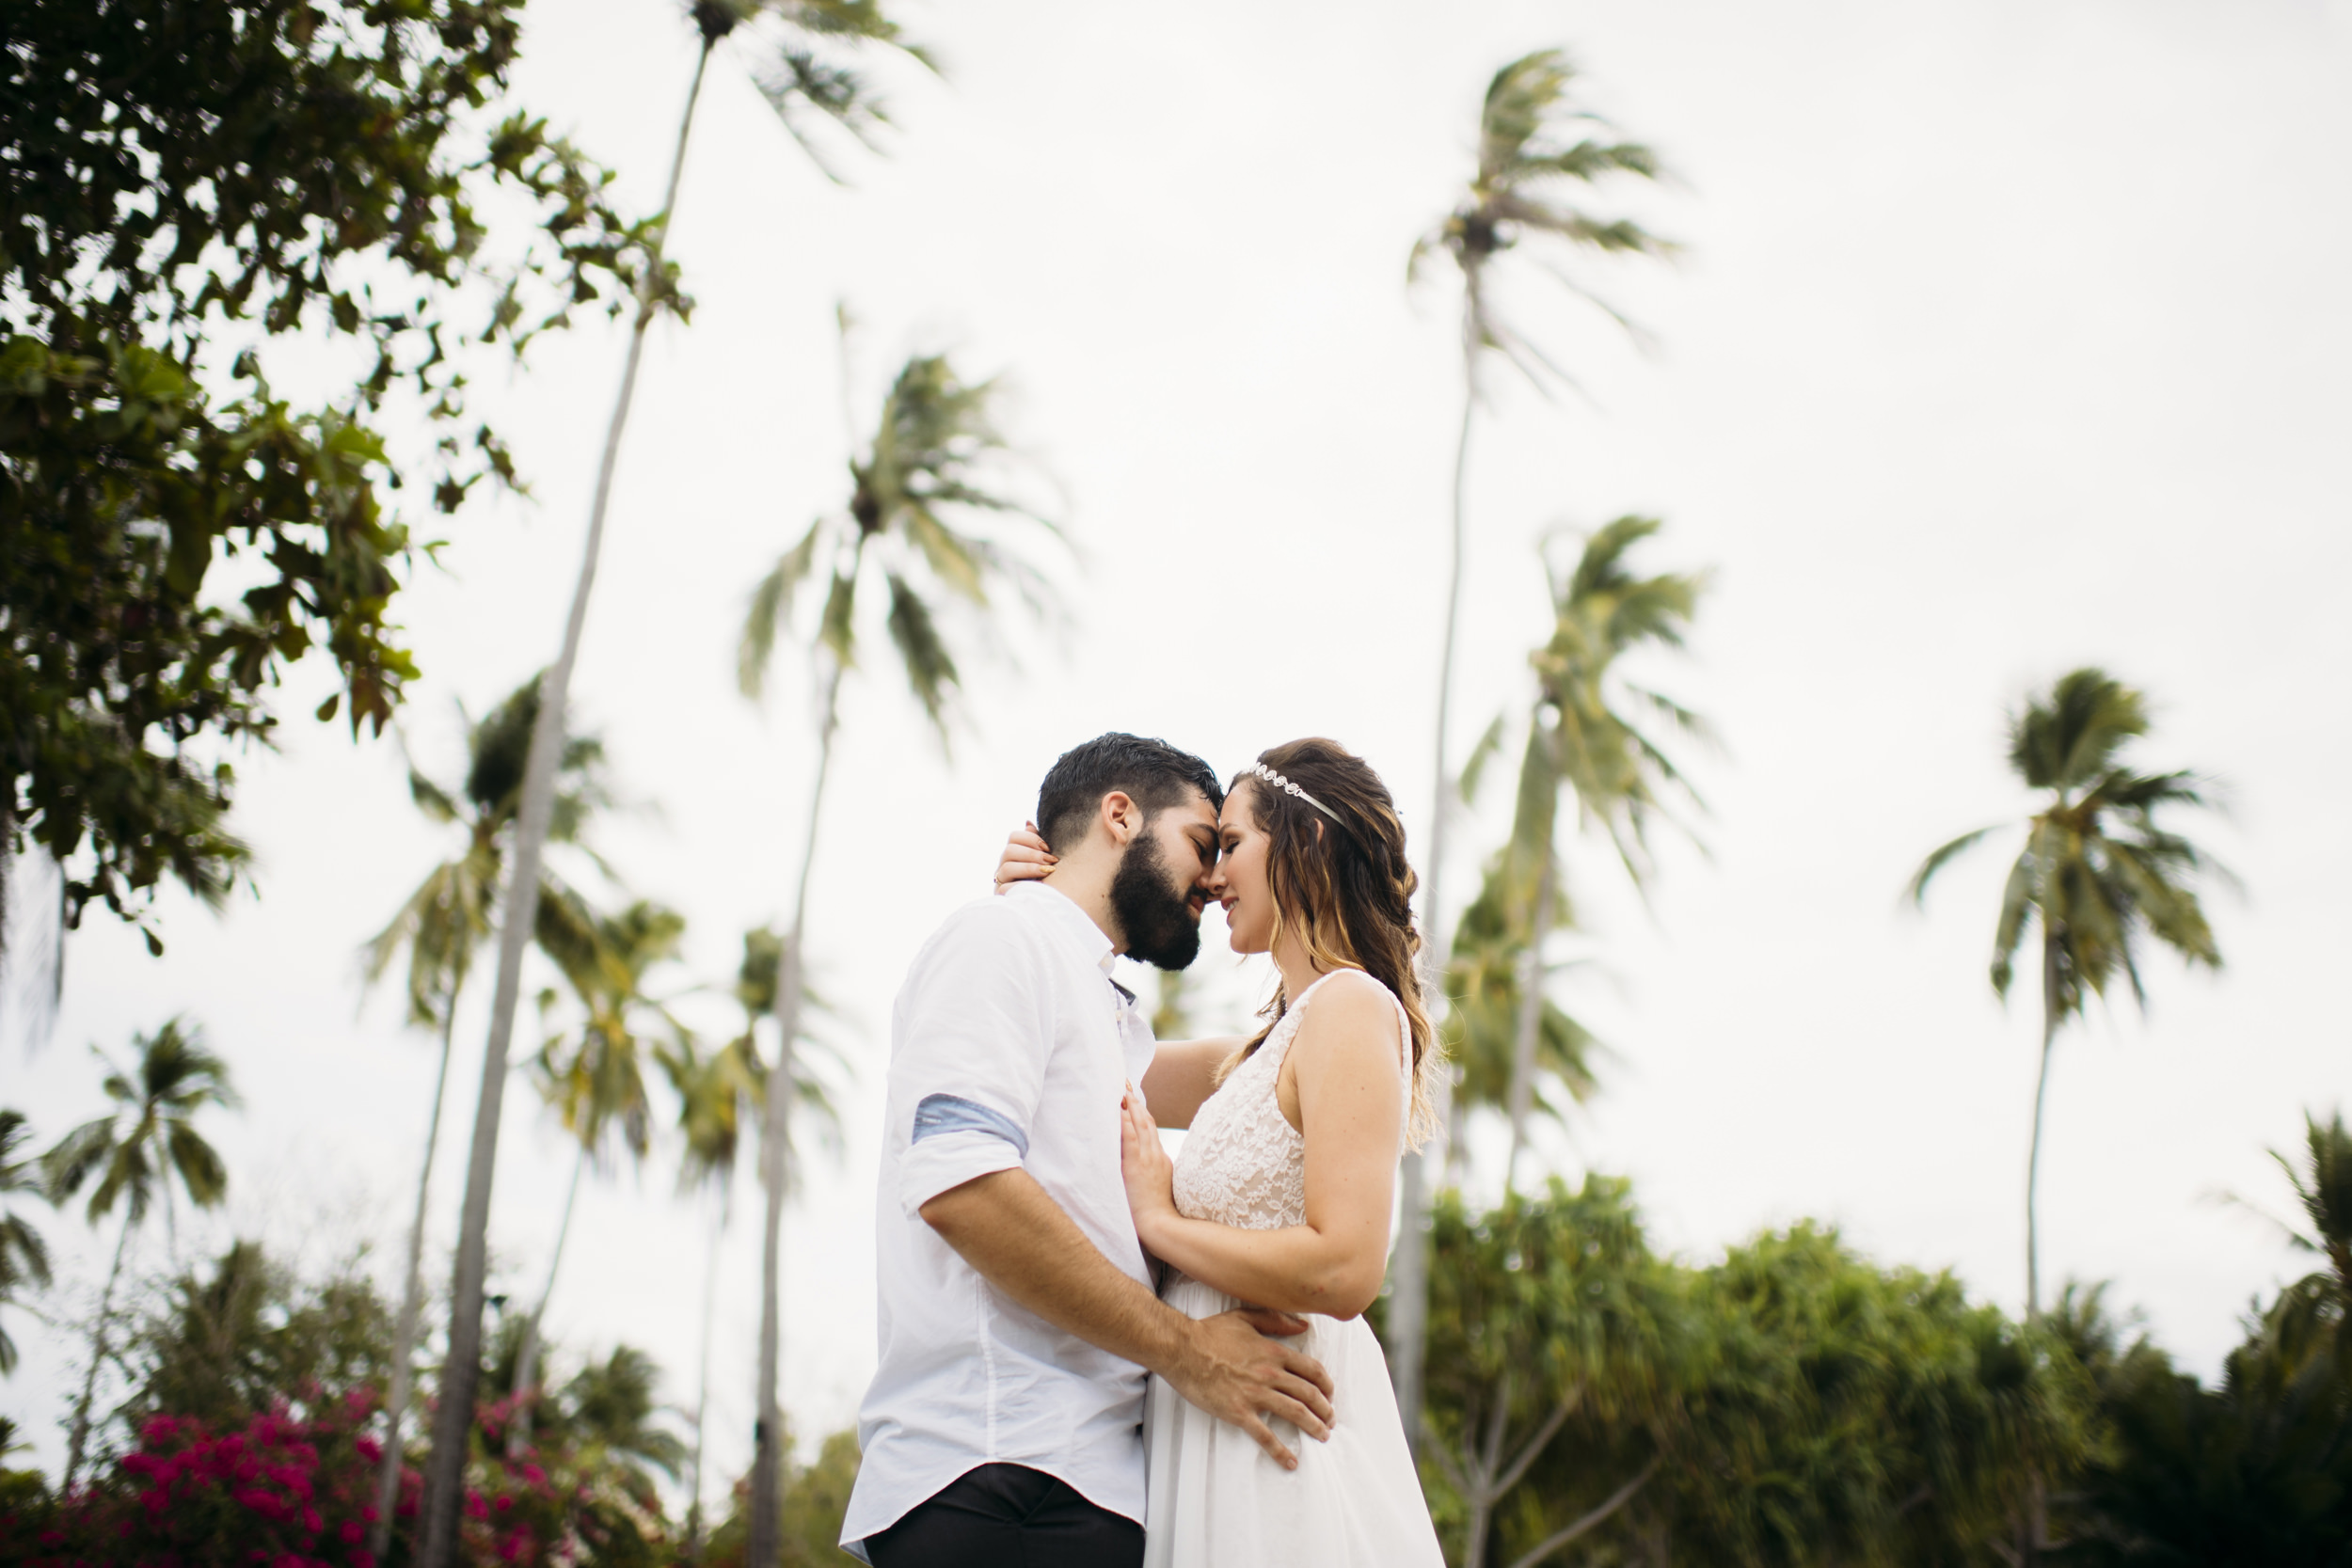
(949, 1160)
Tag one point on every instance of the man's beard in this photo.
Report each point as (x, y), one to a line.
(1155, 916)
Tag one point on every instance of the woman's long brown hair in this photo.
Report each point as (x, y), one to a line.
(1345, 887)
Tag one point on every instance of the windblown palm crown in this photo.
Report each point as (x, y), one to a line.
(2098, 872)
(1535, 148)
(935, 452)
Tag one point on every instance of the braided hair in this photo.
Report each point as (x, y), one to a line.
(1340, 878)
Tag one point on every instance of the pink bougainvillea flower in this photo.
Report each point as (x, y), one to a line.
(475, 1507)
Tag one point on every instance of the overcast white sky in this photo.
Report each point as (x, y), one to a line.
(2011, 337)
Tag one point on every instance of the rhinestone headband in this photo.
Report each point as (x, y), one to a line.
(1270, 776)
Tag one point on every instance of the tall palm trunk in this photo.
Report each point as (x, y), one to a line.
(767, 1531)
(1423, 1169)
(461, 1375)
(1528, 1027)
(701, 1397)
(411, 1307)
(2050, 1018)
(526, 1356)
(80, 1437)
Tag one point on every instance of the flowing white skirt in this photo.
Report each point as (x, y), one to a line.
(1215, 1500)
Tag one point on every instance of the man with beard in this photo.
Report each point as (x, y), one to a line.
(1004, 1424)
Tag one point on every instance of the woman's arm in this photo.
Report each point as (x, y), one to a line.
(1183, 1074)
(1351, 1102)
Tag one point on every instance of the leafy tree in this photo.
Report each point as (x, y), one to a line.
(441, 927)
(803, 45)
(1546, 1311)
(189, 183)
(931, 469)
(2321, 1302)
(1850, 1413)
(2098, 875)
(132, 1155)
(252, 1336)
(24, 1255)
(1537, 150)
(595, 1078)
(1579, 738)
(2258, 1469)
(609, 1417)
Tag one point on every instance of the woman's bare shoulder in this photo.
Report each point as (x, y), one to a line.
(1350, 1012)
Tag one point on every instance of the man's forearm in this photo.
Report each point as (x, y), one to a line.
(1019, 1240)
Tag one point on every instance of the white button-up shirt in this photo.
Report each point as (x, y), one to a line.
(1010, 1045)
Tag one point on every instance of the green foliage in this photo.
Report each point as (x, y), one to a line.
(1853, 1414)
(445, 921)
(1551, 1328)
(1791, 1404)
(802, 51)
(1536, 149)
(2098, 872)
(931, 463)
(1483, 985)
(594, 1076)
(188, 180)
(1583, 737)
(2256, 1470)
(815, 1496)
(24, 1255)
(150, 1136)
(253, 1337)
(815, 1059)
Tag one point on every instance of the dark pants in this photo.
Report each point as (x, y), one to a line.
(1007, 1516)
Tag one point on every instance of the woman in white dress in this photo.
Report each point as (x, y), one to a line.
(1282, 1194)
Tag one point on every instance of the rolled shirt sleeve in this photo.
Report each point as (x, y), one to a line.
(970, 1067)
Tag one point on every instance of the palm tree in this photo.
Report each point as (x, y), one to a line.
(711, 1091)
(609, 1412)
(440, 926)
(2316, 1310)
(1484, 983)
(596, 1081)
(1536, 149)
(24, 1255)
(134, 1151)
(930, 466)
(1579, 738)
(2097, 876)
(801, 46)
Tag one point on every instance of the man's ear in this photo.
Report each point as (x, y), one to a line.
(1121, 817)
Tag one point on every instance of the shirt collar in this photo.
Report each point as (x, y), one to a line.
(1069, 917)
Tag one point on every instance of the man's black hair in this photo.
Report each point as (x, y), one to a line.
(1151, 773)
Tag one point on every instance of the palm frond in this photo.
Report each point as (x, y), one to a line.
(770, 606)
(2017, 907)
(1944, 854)
(836, 630)
(1474, 769)
(931, 670)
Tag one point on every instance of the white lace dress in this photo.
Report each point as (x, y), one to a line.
(1215, 1499)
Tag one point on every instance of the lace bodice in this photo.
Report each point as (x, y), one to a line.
(1243, 1163)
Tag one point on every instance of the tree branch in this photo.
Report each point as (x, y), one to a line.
(1617, 1500)
(1535, 1445)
